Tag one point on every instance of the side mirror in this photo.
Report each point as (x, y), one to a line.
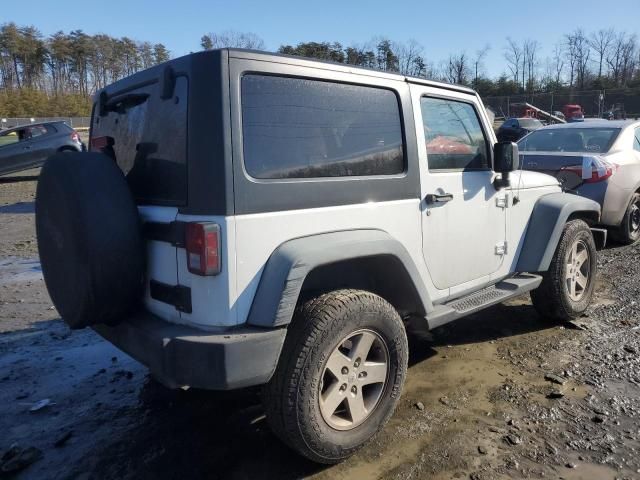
(506, 159)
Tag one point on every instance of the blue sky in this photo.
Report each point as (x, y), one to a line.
(440, 26)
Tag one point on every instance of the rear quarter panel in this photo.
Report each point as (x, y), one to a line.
(623, 183)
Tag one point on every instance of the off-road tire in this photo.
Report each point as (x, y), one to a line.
(552, 299)
(291, 398)
(626, 233)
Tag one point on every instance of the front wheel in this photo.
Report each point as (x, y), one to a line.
(568, 284)
(339, 376)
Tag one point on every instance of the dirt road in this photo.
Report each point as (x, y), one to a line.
(476, 404)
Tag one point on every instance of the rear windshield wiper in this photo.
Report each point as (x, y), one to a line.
(122, 103)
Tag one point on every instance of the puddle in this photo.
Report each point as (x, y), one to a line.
(18, 270)
(19, 207)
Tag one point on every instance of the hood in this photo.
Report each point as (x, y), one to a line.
(523, 179)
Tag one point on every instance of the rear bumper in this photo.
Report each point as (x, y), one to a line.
(179, 355)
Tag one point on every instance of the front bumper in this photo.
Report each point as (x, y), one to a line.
(181, 356)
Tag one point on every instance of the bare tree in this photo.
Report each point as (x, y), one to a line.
(513, 55)
(478, 62)
(600, 42)
(529, 63)
(232, 39)
(578, 51)
(407, 54)
(456, 68)
(558, 62)
(621, 58)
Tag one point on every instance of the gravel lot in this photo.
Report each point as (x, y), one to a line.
(498, 395)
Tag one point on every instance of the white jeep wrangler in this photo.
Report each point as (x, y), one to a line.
(250, 219)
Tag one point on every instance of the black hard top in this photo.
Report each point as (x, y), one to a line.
(340, 67)
(215, 56)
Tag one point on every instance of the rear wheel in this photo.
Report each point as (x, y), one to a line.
(629, 230)
(339, 376)
(568, 284)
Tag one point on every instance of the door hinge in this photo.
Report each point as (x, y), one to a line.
(502, 202)
(501, 248)
(177, 295)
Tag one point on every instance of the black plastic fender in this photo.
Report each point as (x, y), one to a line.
(288, 266)
(546, 223)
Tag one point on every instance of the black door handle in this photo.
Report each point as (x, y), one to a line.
(439, 198)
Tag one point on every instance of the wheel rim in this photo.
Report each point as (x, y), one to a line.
(578, 271)
(634, 218)
(353, 379)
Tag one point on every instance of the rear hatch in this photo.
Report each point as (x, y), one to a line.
(145, 132)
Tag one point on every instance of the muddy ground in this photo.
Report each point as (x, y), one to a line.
(476, 404)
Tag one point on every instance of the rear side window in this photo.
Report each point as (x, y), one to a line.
(299, 128)
(453, 135)
(38, 131)
(149, 141)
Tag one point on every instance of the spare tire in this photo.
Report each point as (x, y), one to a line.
(89, 239)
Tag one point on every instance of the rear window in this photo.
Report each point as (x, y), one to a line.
(150, 141)
(530, 123)
(591, 140)
(299, 128)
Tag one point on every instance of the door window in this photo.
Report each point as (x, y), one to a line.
(453, 135)
(636, 140)
(9, 138)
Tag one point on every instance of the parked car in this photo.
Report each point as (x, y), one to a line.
(598, 159)
(29, 146)
(515, 128)
(294, 213)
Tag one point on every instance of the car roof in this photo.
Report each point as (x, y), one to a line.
(597, 123)
(34, 124)
(342, 67)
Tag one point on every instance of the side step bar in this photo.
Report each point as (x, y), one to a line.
(476, 301)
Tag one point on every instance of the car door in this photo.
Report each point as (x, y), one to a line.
(13, 154)
(36, 146)
(463, 215)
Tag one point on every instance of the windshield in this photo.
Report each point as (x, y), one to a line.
(530, 123)
(591, 140)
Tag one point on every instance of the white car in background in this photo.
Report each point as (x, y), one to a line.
(599, 160)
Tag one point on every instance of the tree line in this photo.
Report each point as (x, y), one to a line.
(39, 74)
(57, 74)
(579, 61)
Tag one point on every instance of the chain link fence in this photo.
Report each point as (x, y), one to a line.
(74, 122)
(624, 103)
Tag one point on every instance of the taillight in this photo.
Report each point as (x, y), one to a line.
(593, 170)
(203, 248)
(98, 143)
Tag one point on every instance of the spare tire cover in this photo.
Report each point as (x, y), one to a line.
(89, 239)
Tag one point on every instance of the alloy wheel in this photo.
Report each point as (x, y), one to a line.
(577, 275)
(353, 380)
